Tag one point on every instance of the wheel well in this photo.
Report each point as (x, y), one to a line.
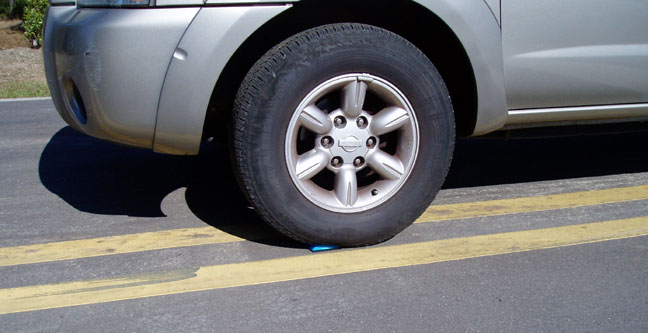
(403, 17)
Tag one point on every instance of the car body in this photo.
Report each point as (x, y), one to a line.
(165, 74)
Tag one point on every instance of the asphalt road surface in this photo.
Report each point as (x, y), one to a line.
(528, 235)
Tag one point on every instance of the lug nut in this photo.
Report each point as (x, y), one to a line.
(336, 162)
(358, 162)
(361, 122)
(374, 192)
(339, 122)
(371, 142)
(327, 142)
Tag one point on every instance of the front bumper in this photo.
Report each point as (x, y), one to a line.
(106, 67)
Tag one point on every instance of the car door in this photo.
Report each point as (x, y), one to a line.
(561, 53)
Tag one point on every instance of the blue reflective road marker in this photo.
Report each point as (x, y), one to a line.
(319, 248)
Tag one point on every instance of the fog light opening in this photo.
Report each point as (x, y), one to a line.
(74, 100)
(76, 103)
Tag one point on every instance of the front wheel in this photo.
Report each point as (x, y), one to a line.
(343, 135)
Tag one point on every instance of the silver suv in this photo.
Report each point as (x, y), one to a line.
(342, 115)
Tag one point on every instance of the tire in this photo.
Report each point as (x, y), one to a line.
(322, 164)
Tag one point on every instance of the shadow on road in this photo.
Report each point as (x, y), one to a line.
(490, 161)
(103, 178)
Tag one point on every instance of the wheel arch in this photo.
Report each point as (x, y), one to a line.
(465, 47)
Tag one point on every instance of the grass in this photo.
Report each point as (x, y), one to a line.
(23, 89)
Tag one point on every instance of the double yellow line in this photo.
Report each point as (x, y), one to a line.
(94, 247)
(313, 265)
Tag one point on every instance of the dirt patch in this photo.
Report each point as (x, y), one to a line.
(21, 64)
(18, 62)
(22, 73)
(12, 35)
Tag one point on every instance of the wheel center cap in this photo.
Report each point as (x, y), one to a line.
(350, 143)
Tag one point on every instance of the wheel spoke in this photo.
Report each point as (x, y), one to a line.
(311, 163)
(353, 97)
(345, 170)
(346, 185)
(388, 166)
(389, 120)
(315, 120)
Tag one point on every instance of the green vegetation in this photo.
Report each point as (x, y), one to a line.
(7, 10)
(23, 89)
(32, 12)
(4, 9)
(33, 18)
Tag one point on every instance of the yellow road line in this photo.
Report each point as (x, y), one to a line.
(40, 297)
(533, 204)
(94, 247)
(85, 248)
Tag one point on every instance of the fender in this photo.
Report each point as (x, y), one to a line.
(476, 25)
(199, 60)
(218, 31)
